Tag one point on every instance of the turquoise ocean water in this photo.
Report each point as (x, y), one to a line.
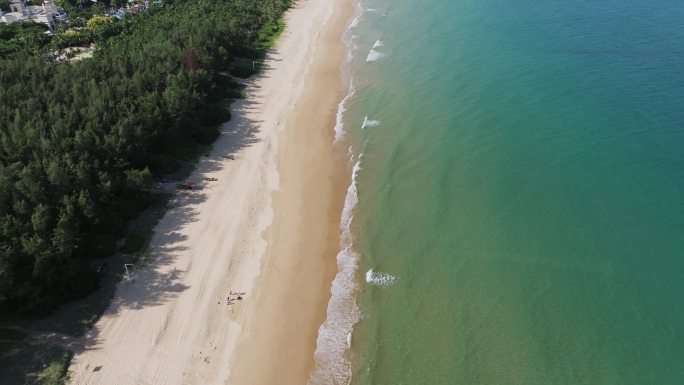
(517, 210)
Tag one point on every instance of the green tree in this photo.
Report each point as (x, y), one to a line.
(78, 140)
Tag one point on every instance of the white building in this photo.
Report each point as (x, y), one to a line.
(48, 13)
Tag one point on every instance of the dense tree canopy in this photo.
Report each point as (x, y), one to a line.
(78, 138)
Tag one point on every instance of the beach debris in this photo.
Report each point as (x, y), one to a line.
(231, 157)
(211, 179)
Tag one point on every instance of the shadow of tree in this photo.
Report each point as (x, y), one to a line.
(154, 282)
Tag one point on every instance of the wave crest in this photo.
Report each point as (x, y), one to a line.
(374, 55)
(379, 279)
(369, 123)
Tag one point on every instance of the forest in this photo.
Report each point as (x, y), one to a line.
(82, 140)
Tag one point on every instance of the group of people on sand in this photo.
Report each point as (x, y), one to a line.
(234, 296)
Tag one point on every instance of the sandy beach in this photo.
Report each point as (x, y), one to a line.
(265, 231)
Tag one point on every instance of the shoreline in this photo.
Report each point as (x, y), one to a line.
(300, 262)
(267, 228)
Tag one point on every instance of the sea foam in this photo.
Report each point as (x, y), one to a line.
(374, 55)
(369, 123)
(355, 21)
(351, 47)
(379, 279)
(334, 337)
(341, 108)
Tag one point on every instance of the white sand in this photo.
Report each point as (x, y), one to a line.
(172, 325)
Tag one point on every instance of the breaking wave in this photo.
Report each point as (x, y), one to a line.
(369, 123)
(379, 279)
(341, 108)
(334, 337)
(374, 55)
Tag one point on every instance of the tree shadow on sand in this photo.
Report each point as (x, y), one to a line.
(154, 281)
(153, 285)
